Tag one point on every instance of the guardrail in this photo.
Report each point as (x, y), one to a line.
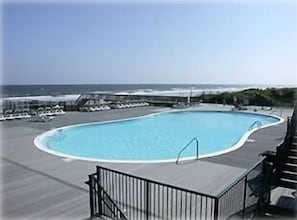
(132, 197)
(141, 198)
(246, 196)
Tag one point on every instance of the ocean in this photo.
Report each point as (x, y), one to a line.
(71, 92)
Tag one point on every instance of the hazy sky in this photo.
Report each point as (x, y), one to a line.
(229, 42)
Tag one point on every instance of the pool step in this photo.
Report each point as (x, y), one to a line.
(288, 183)
(277, 212)
(289, 167)
(291, 159)
(288, 175)
(294, 145)
(101, 218)
(293, 152)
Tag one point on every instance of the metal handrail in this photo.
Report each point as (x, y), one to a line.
(150, 195)
(155, 182)
(197, 149)
(291, 126)
(258, 123)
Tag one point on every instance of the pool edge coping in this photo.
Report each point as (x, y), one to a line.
(239, 143)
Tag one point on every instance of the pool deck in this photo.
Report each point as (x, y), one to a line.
(38, 185)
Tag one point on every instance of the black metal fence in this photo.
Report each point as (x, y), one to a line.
(246, 196)
(100, 201)
(132, 197)
(291, 127)
(140, 198)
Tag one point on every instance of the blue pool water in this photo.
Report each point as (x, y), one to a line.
(154, 138)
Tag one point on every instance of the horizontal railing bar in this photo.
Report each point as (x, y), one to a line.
(187, 190)
(242, 176)
(156, 182)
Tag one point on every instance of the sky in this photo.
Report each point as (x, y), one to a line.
(226, 42)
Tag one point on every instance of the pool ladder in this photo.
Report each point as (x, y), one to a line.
(197, 149)
(258, 123)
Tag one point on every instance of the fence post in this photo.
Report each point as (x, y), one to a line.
(147, 199)
(216, 209)
(98, 174)
(197, 149)
(288, 123)
(264, 192)
(91, 187)
(244, 196)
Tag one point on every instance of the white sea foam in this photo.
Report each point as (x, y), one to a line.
(43, 98)
(192, 91)
(174, 91)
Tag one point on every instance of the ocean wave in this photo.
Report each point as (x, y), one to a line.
(58, 98)
(174, 90)
(192, 91)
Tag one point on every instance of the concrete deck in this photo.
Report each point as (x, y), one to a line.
(38, 185)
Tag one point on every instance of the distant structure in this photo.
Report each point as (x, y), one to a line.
(99, 100)
(90, 99)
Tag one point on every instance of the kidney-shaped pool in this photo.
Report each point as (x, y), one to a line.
(155, 138)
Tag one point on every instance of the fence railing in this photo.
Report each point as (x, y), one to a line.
(283, 149)
(245, 196)
(100, 201)
(140, 198)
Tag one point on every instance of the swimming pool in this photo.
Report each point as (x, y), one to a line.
(155, 138)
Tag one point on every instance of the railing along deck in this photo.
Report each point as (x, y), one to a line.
(101, 202)
(141, 198)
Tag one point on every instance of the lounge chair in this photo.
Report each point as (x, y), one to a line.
(83, 109)
(8, 114)
(42, 118)
(40, 111)
(25, 113)
(92, 109)
(48, 111)
(98, 108)
(238, 106)
(17, 113)
(58, 110)
(2, 118)
(106, 107)
(119, 105)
